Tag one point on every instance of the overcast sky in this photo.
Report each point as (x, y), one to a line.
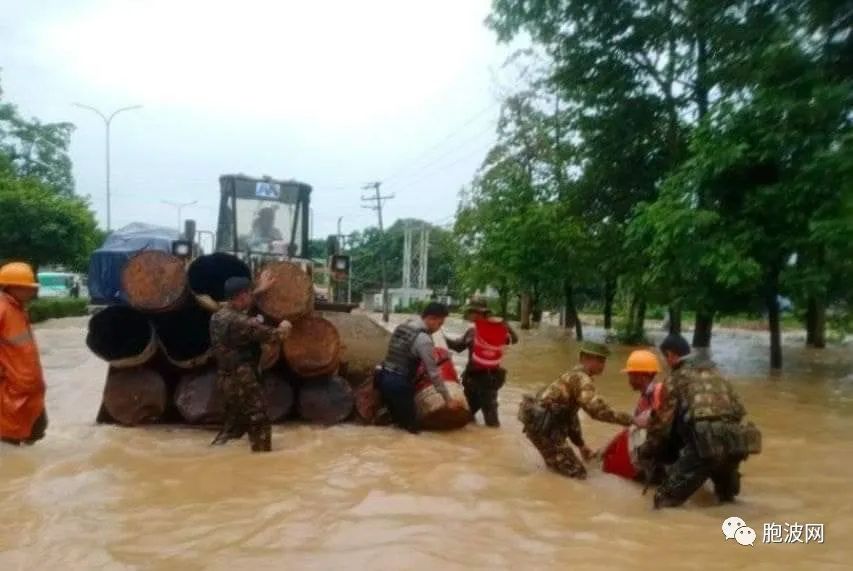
(335, 93)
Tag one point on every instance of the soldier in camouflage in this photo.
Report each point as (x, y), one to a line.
(551, 416)
(236, 340)
(700, 416)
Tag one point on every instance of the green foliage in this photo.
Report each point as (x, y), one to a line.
(42, 221)
(364, 249)
(699, 154)
(54, 308)
(32, 149)
(317, 250)
(42, 227)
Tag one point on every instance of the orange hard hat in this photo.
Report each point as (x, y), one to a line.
(17, 274)
(642, 361)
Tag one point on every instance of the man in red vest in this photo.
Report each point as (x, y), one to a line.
(22, 415)
(484, 376)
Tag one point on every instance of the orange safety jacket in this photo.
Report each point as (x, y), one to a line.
(22, 385)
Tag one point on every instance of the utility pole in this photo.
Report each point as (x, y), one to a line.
(108, 119)
(179, 206)
(376, 205)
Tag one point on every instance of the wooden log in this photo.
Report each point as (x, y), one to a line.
(313, 348)
(364, 344)
(279, 394)
(200, 401)
(433, 413)
(369, 408)
(270, 355)
(136, 395)
(184, 335)
(121, 336)
(155, 281)
(291, 295)
(198, 398)
(327, 401)
(207, 276)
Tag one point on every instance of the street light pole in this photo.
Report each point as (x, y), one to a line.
(180, 206)
(107, 122)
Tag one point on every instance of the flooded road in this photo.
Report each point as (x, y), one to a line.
(96, 497)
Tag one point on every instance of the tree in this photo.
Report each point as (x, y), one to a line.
(30, 148)
(774, 173)
(363, 247)
(43, 227)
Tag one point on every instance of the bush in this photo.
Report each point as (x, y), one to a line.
(624, 336)
(44, 309)
(656, 312)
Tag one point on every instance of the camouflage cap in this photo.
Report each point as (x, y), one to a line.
(236, 285)
(477, 305)
(593, 348)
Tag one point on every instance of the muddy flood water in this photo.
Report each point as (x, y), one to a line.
(94, 497)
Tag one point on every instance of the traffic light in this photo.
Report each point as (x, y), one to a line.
(182, 248)
(339, 265)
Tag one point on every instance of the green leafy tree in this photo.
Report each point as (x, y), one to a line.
(364, 248)
(30, 148)
(43, 227)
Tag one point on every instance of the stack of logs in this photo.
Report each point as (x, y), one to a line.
(158, 347)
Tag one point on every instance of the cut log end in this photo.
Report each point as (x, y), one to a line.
(279, 395)
(200, 401)
(433, 413)
(369, 408)
(327, 401)
(291, 295)
(121, 336)
(154, 281)
(363, 345)
(207, 274)
(185, 335)
(313, 348)
(135, 395)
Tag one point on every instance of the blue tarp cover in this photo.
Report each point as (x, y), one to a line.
(107, 262)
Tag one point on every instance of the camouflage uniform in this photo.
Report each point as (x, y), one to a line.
(552, 416)
(700, 415)
(236, 339)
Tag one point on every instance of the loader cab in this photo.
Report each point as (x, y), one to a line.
(262, 219)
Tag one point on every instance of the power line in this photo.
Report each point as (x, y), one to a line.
(447, 166)
(441, 142)
(377, 201)
(465, 144)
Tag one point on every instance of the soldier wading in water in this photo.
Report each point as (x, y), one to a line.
(701, 417)
(551, 416)
(236, 339)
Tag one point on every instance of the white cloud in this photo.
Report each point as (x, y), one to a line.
(333, 92)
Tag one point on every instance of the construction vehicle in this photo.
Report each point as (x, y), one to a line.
(263, 219)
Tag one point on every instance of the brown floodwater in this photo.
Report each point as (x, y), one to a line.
(102, 497)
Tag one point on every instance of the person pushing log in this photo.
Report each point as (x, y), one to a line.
(236, 342)
(411, 345)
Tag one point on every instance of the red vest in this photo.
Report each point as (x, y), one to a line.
(616, 458)
(489, 342)
(445, 367)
